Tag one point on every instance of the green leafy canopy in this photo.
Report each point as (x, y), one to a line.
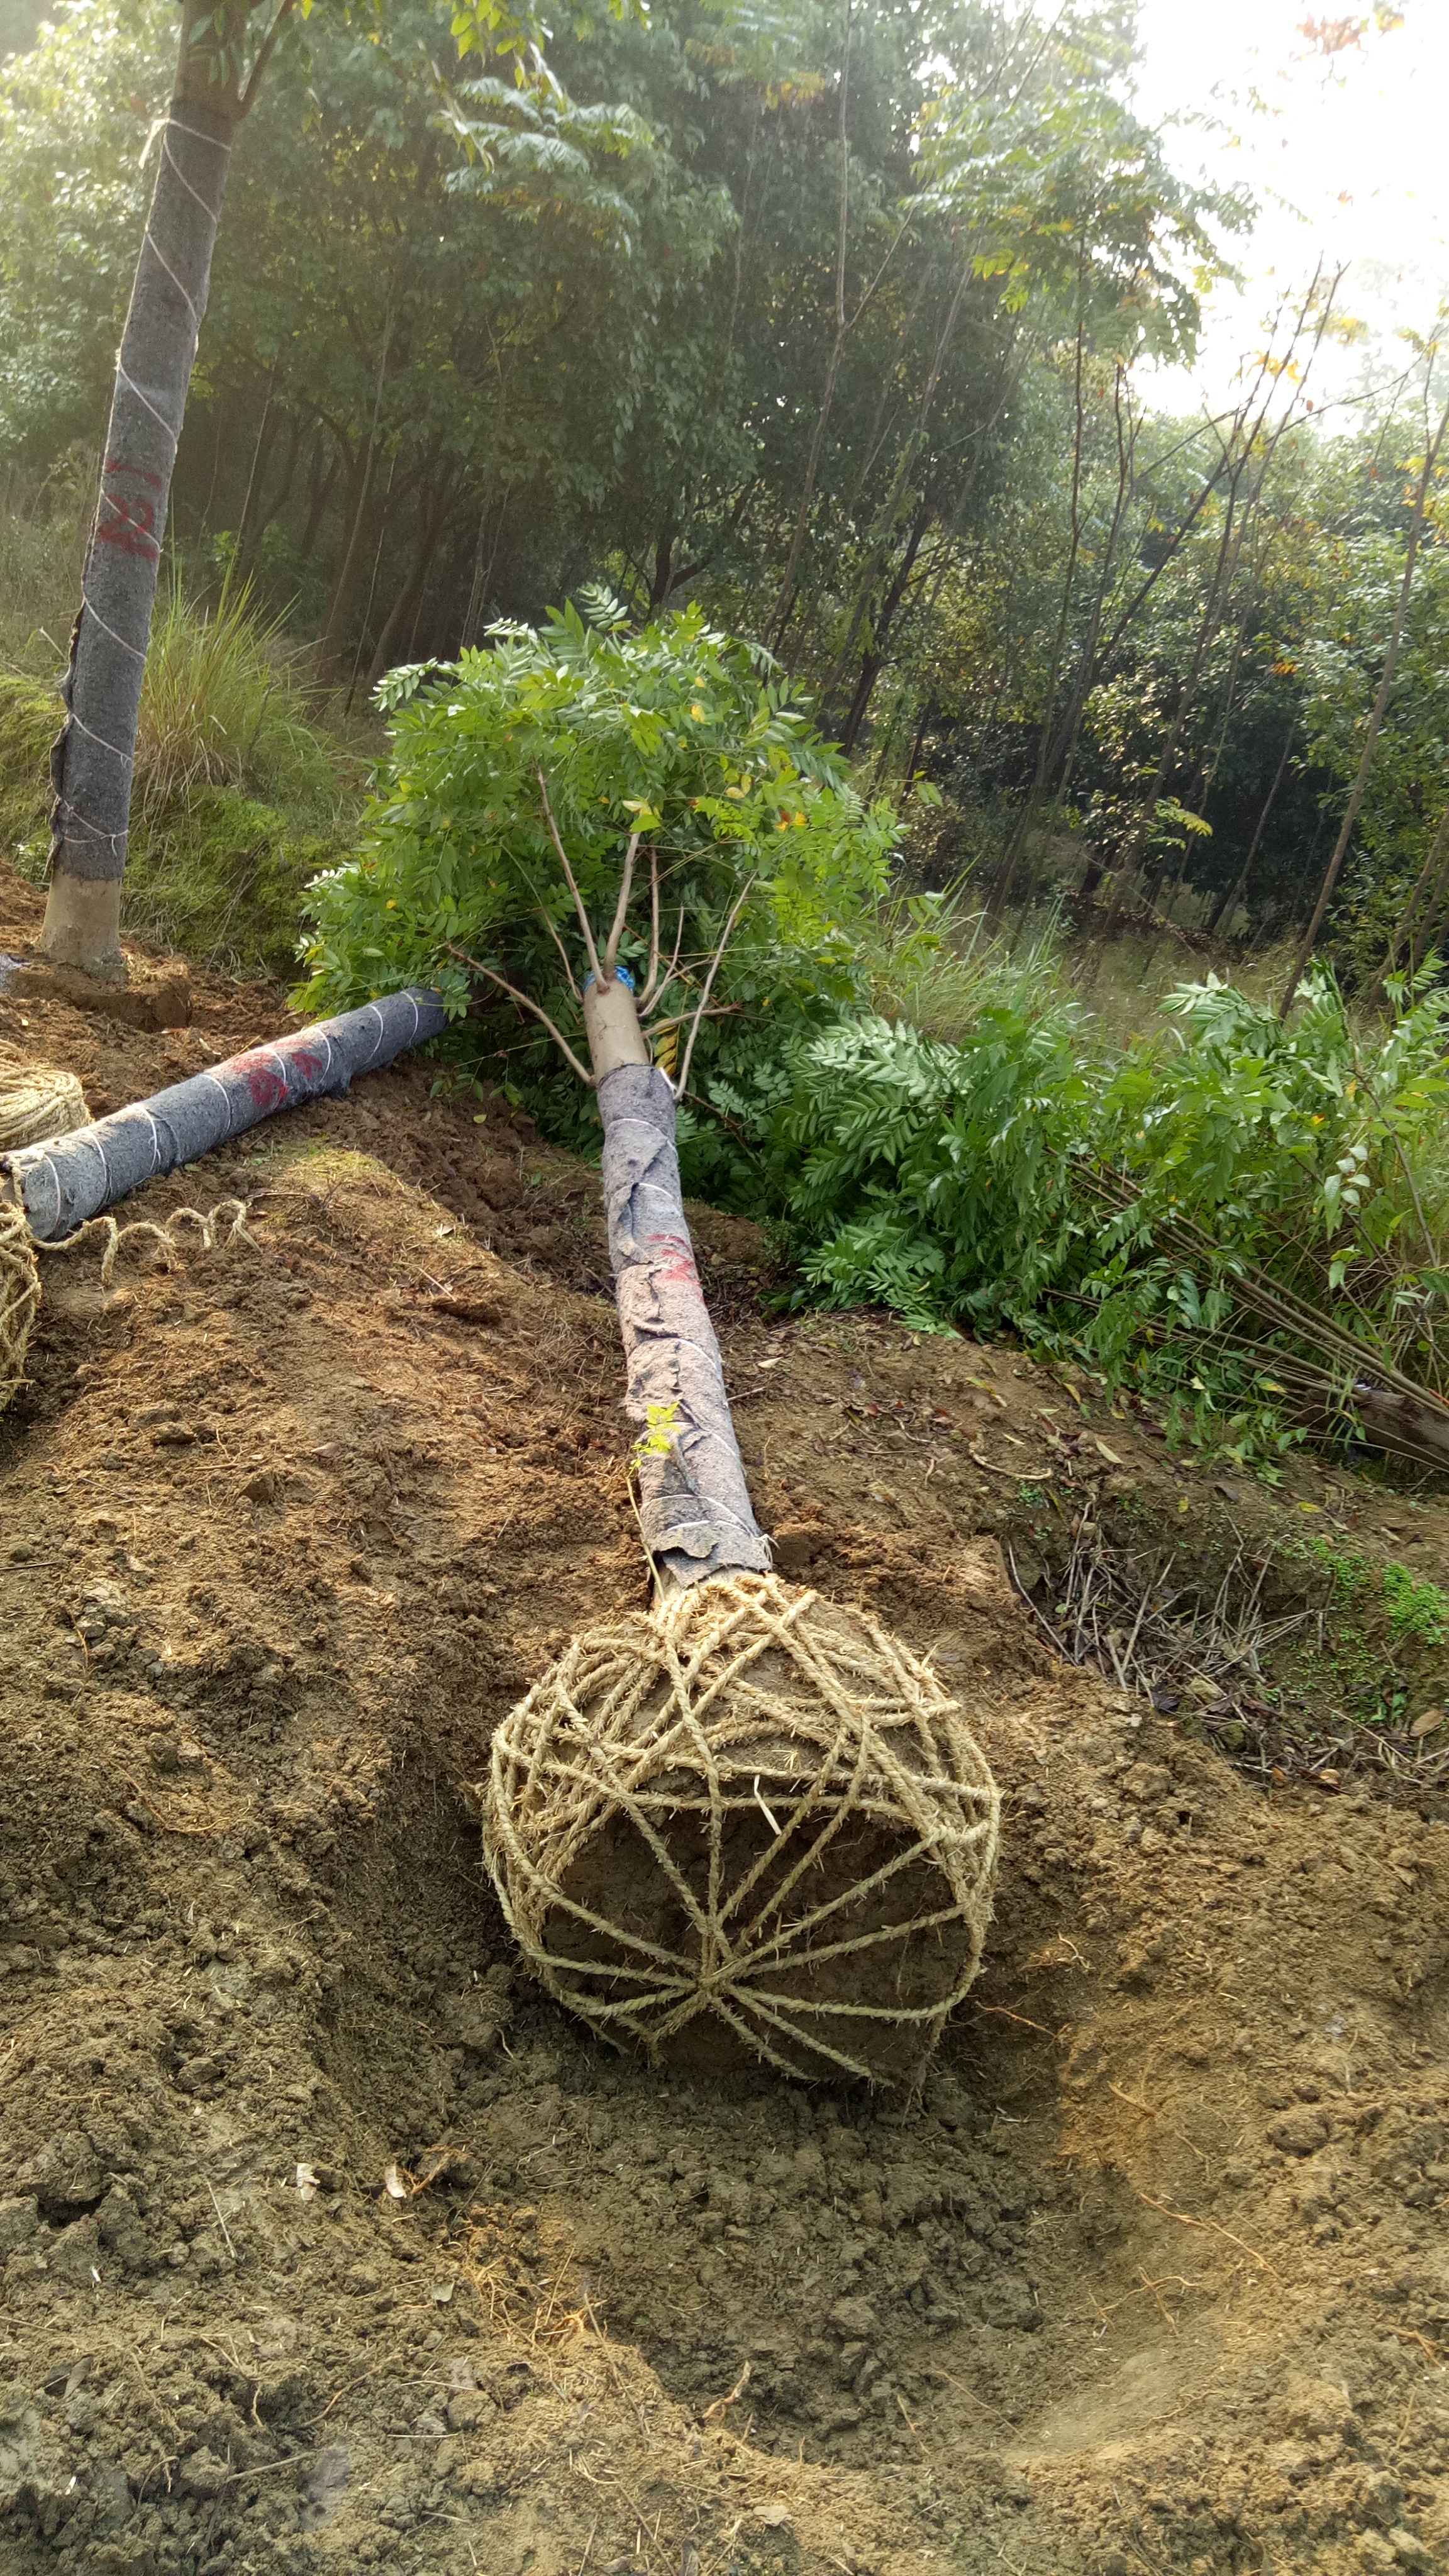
(680, 739)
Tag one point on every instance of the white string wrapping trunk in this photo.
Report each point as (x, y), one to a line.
(94, 754)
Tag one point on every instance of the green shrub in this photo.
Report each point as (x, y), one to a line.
(222, 877)
(1205, 1214)
(586, 739)
(937, 1179)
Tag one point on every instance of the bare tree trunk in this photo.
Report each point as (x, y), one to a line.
(775, 622)
(320, 485)
(913, 448)
(996, 903)
(874, 661)
(267, 511)
(1228, 904)
(432, 519)
(1380, 710)
(94, 754)
(1420, 911)
(260, 453)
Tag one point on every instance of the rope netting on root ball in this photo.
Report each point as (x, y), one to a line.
(19, 1299)
(747, 1825)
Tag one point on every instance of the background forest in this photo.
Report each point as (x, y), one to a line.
(839, 326)
(832, 319)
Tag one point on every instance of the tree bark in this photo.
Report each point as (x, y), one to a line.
(996, 903)
(775, 622)
(319, 491)
(873, 661)
(432, 519)
(266, 512)
(261, 456)
(1229, 902)
(94, 753)
(347, 579)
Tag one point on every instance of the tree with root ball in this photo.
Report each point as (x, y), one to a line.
(748, 1824)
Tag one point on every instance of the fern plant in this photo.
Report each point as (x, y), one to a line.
(937, 1179)
(1238, 1216)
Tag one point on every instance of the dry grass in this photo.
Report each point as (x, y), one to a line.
(1201, 1656)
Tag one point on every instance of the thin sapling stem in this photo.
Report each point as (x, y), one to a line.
(647, 996)
(621, 909)
(683, 1075)
(593, 954)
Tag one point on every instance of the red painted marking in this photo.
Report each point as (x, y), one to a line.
(118, 465)
(264, 1078)
(679, 1263)
(134, 531)
(310, 1061)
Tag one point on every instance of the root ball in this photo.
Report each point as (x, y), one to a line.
(19, 1299)
(745, 1826)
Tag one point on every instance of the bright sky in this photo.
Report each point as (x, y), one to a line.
(1346, 155)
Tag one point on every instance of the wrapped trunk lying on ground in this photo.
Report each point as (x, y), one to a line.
(748, 1825)
(694, 1507)
(62, 1182)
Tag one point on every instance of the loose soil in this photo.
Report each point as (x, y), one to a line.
(329, 2242)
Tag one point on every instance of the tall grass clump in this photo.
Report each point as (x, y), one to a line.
(42, 548)
(241, 795)
(224, 705)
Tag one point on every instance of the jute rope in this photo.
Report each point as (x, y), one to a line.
(19, 1298)
(20, 1267)
(36, 1101)
(821, 1825)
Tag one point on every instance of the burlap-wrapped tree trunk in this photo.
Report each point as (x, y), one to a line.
(694, 1505)
(94, 754)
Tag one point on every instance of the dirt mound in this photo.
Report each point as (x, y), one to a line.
(327, 2241)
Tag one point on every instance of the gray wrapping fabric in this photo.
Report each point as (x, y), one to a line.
(92, 759)
(73, 1177)
(694, 1503)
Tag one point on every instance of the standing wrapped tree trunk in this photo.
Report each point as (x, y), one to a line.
(94, 754)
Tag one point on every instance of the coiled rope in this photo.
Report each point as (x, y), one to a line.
(20, 1265)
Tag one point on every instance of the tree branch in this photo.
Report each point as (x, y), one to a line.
(683, 1075)
(647, 996)
(611, 952)
(599, 976)
(268, 46)
(525, 1004)
(1375, 723)
(563, 952)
